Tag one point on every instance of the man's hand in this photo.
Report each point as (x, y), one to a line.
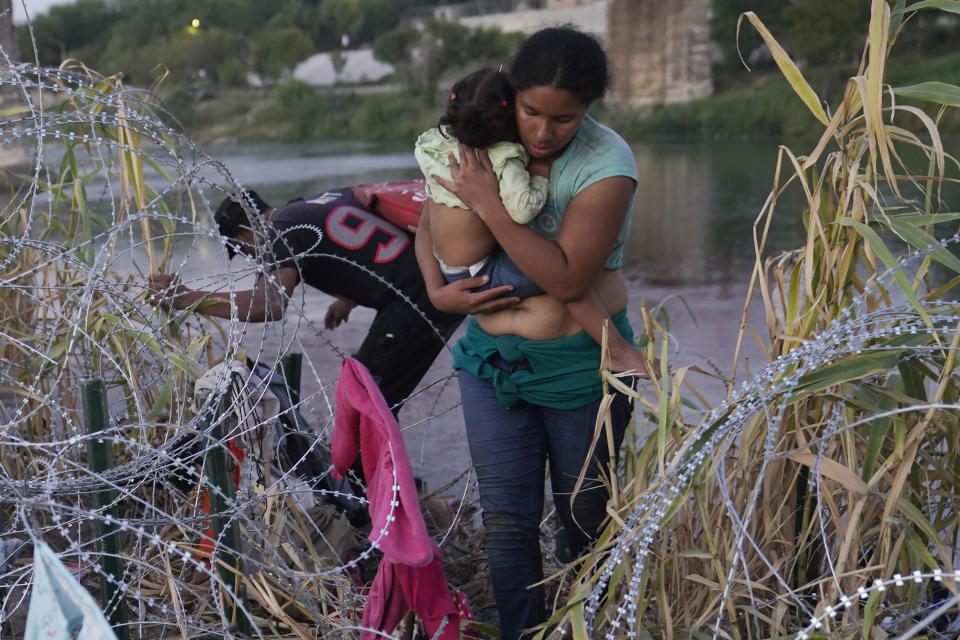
(338, 313)
(165, 288)
(457, 297)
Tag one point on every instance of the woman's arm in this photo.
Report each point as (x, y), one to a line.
(566, 267)
(455, 297)
(266, 301)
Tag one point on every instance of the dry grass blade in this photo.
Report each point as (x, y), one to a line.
(175, 596)
(787, 66)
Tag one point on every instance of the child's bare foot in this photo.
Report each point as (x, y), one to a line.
(629, 359)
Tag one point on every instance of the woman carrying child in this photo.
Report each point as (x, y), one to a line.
(529, 372)
(480, 114)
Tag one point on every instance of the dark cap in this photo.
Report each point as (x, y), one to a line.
(231, 217)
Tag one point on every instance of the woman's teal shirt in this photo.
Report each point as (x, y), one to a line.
(564, 373)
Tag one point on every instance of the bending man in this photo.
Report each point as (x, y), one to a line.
(335, 244)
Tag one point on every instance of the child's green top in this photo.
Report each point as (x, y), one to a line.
(523, 194)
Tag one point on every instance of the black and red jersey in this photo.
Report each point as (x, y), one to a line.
(344, 249)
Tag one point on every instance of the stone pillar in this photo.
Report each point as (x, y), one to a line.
(659, 51)
(8, 33)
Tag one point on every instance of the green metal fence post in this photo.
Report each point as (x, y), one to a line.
(100, 451)
(219, 471)
(291, 367)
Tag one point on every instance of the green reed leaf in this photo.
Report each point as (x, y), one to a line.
(675, 504)
(940, 291)
(878, 429)
(870, 613)
(951, 6)
(913, 374)
(578, 623)
(482, 627)
(896, 19)
(938, 92)
(163, 396)
(921, 522)
(916, 237)
(852, 368)
(926, 219)
(881, 250)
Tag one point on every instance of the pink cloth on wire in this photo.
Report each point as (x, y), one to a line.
(399, 588)
(410, 576)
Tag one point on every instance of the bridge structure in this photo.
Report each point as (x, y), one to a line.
(8, 32)
(659, 51)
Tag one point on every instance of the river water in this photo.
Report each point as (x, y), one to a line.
(691, 225)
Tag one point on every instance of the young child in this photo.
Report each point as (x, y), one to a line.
(480, 114)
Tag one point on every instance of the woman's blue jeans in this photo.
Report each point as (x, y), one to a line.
(510, 449)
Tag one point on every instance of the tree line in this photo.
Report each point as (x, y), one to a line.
(235, 37)
(150, 39)
(227, 39)
(820, 34)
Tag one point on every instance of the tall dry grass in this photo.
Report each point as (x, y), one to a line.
(58, 233)
(836, 464)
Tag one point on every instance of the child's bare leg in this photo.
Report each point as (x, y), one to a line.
(589, 313)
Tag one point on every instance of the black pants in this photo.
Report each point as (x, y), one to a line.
(400, 346)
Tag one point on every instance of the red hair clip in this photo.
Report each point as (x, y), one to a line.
(453, 96)
(503, 103)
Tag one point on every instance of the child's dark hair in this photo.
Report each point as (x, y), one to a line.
(562, 58)
(480, 109)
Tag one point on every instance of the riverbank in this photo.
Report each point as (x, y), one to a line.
(764, 106)
(761, 106)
